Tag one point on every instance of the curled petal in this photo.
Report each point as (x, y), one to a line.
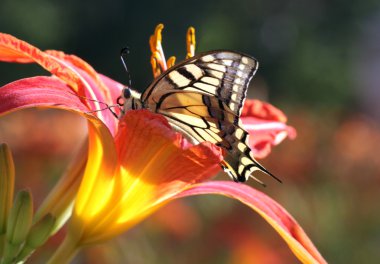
(270, 210)
(16, 50)
(41, 91)
(262, 110)
(266, 125)
(73, 71)
(89, 73)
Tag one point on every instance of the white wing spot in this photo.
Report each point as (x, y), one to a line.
(239, 133)
(245, 161)
(208, 58)
(238, 81)
(179, 79)
(245, 60)
(217, 67)
(241, 67)
(210, 80)
(206, 87)
(216, 74)
(236, 88)
(241, 146)
(240, 74)
(194, 70)
(232, 106)
(227, 62)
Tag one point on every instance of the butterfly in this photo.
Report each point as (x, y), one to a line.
(202, 97)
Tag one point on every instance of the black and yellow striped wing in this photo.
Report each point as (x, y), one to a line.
(202, 97)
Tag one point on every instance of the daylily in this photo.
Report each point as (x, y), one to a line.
(136, 164)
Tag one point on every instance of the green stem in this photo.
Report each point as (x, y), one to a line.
(66, 251)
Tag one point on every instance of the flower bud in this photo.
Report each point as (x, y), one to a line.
(37, 236)
(41, 231)
(7, 179)
(20, 218)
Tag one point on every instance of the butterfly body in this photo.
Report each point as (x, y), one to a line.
(202, 97)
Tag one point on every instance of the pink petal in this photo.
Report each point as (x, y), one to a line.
(262, 110)
(106, 87)
(16, 50)
(266, 125)
(41, 91)
(270, 210)
(75, 72)
(114, 87)
(265, 134)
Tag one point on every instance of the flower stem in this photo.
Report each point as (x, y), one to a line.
(66, 251)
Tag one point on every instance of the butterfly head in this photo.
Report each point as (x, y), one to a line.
(131, 99)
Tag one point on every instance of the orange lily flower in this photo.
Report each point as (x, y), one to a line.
(136, 164)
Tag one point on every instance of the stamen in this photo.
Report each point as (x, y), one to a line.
(157, 60)
(171, 61)
(190, 42)
(154, 61)
(155, 43)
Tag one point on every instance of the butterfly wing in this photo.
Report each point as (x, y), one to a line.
(224, 74)
(203, 97)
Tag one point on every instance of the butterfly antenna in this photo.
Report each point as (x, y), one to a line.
(123, 55)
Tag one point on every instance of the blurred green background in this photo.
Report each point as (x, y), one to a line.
(319, 63)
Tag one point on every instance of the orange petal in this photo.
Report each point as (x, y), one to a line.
(155, 163)
(16, 50)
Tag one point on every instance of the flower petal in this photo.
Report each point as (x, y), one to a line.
(179, 160)
(266, 125)
(16, 50)
(155, 163)
(262, 110)
(114, 87)
(51, 92)
(90, 75)
(270, 210)
(75, 72)
(41, 91)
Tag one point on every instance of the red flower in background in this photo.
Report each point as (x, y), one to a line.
(266, 124)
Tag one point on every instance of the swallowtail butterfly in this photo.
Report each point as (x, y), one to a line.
(202, 97)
